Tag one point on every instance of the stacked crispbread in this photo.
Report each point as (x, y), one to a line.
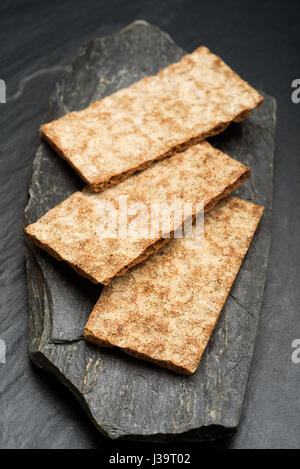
(183, 104)
(72, 230)
(163, 310)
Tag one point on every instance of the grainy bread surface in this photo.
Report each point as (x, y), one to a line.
(165, 309)
(183, 104)
(76, 230)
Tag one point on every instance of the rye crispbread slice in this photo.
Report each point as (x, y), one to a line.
(158, 116)
(76, 230)
(165, 309)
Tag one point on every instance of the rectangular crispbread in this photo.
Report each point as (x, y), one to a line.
(165, 309)
(76, 229)
(160, 115)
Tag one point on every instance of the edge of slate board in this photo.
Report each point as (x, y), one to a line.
(125, 397)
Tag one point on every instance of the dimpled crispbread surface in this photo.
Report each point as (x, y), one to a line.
(183, 104)
(75, 230)
(165, 309)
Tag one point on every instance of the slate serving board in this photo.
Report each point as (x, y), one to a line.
(126, 397)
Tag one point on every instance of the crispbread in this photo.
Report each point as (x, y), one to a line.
(165, 309)
(182, 105)
(71, 230)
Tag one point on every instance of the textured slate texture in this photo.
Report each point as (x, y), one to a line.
(125, 397)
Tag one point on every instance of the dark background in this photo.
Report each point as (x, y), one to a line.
(258, 39)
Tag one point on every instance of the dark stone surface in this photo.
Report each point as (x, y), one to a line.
(127, 398)
(261, 41)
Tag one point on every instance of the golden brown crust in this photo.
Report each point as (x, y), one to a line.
(156, 117)
(70, 231)
(165, 309)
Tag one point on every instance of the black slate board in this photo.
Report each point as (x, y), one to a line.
(127, 398)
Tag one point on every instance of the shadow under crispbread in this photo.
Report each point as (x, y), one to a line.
(129, 398)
